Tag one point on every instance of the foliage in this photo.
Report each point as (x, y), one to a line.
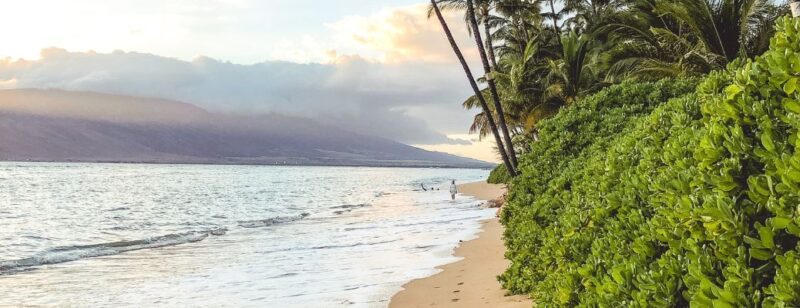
(657, 38)
(695, 203)
(499, 175)
(547, 54)
(595, 119)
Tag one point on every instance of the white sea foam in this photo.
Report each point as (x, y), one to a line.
(72, 253)
(224, 236)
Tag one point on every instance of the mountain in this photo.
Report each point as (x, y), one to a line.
(55, 125)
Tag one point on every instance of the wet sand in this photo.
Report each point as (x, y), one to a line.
(472, 281)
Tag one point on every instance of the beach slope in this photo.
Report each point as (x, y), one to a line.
(472, 281)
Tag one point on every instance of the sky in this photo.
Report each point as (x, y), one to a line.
(376, 67)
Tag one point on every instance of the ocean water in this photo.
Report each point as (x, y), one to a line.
(130, 235)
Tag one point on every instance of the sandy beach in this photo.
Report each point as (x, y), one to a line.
(470, 282)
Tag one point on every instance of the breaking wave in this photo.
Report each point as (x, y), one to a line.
(271, 221)
(351, 206)
(341, 209)
(72, 253)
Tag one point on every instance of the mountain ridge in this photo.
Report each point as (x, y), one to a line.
(58, 125)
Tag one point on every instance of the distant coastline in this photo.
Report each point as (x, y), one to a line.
(65, 126)
(220, 163)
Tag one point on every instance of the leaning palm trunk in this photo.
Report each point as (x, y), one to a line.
(488, 30)
(498, 106)
(500, 148)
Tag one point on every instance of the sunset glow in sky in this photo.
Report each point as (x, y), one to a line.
(382, 58)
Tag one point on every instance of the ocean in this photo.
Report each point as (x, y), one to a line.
(138, 235)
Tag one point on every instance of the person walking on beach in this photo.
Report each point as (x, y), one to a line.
(453, 190)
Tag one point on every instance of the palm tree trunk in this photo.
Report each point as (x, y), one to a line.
(555, 22)
(553, 17)
(488, 30)
(500, 148)
(498, 106)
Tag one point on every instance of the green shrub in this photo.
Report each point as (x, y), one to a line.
(696, 203)
(592, 120)
(499, 175)
(595, 119)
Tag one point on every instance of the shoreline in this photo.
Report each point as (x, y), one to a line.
(471, 281)
(242, 163)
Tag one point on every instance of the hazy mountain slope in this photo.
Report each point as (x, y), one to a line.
(97, 106)
(53, 125)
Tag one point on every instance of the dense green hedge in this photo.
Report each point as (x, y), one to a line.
(499, 175)
(591, 120)
(697, 202)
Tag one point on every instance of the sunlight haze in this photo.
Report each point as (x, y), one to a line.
(403, 48)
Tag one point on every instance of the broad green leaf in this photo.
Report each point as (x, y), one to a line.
(791, 105)
(780, 223)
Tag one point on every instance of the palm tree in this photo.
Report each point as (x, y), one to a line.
(574, 73)
(725, 26)
(484, 16)
(554, 17)
(589, 15)
(485, 8)
(519, 82)
(523, 20)
(500, 148)
(498, 106)
(537, 62)
(659, 38)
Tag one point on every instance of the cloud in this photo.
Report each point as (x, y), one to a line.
(404, 34)
(351, 93)
(391, 74)
(478, 149)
